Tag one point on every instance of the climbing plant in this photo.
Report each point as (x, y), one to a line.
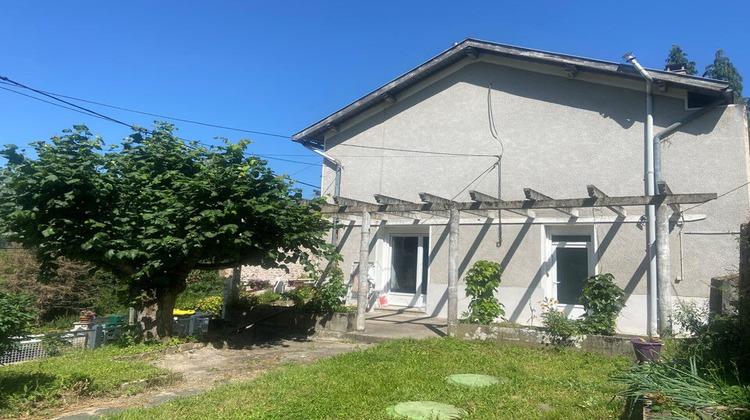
(603, 300)
(482, 282)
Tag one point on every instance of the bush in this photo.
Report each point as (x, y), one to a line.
(603, 300)
(210, 304)
(16, 317)
(327, 297)
(482, 282)
(299, 296)
(717, 343)
(560, 328)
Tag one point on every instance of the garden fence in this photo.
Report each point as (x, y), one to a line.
(38, 346)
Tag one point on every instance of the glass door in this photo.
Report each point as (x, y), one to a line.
(409, 268)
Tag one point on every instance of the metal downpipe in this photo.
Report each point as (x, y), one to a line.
(649, 188)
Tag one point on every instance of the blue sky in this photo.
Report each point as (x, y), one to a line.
(278, 67)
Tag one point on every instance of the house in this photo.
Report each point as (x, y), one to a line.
(484, 121)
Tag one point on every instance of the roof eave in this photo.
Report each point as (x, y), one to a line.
(315, 134)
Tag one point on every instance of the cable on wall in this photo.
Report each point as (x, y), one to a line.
(493, 132)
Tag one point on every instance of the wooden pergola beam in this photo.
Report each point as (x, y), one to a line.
(384, 199)
(533, 195)
(625, 201)
(434, 199)
(479, 196)
(597, 193)
(344, 201)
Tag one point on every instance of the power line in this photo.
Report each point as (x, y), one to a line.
(717, 197)
(51, 94)
(65, 102)
(86, 111)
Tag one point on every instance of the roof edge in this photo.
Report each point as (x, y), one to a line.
(314, 134)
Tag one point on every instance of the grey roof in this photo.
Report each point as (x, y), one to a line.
(314, 134)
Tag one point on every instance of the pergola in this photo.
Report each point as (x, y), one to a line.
(434, 206)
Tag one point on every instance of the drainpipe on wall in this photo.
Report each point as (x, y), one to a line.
(649, 187)
(664, 276)
(336, 189)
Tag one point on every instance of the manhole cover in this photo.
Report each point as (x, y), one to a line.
(425, 410)
(473, 380)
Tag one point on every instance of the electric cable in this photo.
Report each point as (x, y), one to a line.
(717, 197)
(242, 130)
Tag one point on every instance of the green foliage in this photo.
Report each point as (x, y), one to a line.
(723, 69)
(677, 56)
(267, 297)
(560, 328)
(681, 390)
(482, 282)
(603, 300)
(210, 304)
(717, 344)
(327, 297)
(154, 209)
(200, 284)
(73, 286)
(16, 318)
(299, 296)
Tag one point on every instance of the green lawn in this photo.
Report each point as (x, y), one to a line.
(536, 384)
(31, 387)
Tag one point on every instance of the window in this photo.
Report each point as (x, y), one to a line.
(572, 259)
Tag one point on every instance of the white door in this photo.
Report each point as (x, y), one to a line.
(408, 270)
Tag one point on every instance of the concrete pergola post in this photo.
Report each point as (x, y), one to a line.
(364, 263)
(453, 224)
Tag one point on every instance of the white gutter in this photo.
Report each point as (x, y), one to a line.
(649, 187)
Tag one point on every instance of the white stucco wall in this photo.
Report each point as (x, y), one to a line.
(558, 134)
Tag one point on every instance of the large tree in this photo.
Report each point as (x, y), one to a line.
(152, 210)
(723, 69)
(677, 56)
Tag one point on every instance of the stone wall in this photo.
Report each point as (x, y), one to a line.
(254, 273)
(606, 345)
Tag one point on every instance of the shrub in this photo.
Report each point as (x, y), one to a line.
(603, 300)
(16, 317)
(558, 326)
(299, 296)
(482, 282)
(210, 304)
(717, 343)
(327, 297)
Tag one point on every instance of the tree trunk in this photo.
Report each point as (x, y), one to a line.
(155, 318)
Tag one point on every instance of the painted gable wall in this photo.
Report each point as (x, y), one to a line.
(558, 135)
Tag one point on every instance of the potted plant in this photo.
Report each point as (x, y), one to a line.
(647, 349)
(86, 316)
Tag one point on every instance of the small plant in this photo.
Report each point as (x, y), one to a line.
(87, 314)
(556, 322)
(267, 297)
(299, 296)
(603, 300)
(328, 296)
(482, 282)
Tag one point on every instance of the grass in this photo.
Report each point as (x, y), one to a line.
(535, 384)
(31, 387)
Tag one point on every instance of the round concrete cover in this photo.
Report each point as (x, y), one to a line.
(425, 410)
(473, 380)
